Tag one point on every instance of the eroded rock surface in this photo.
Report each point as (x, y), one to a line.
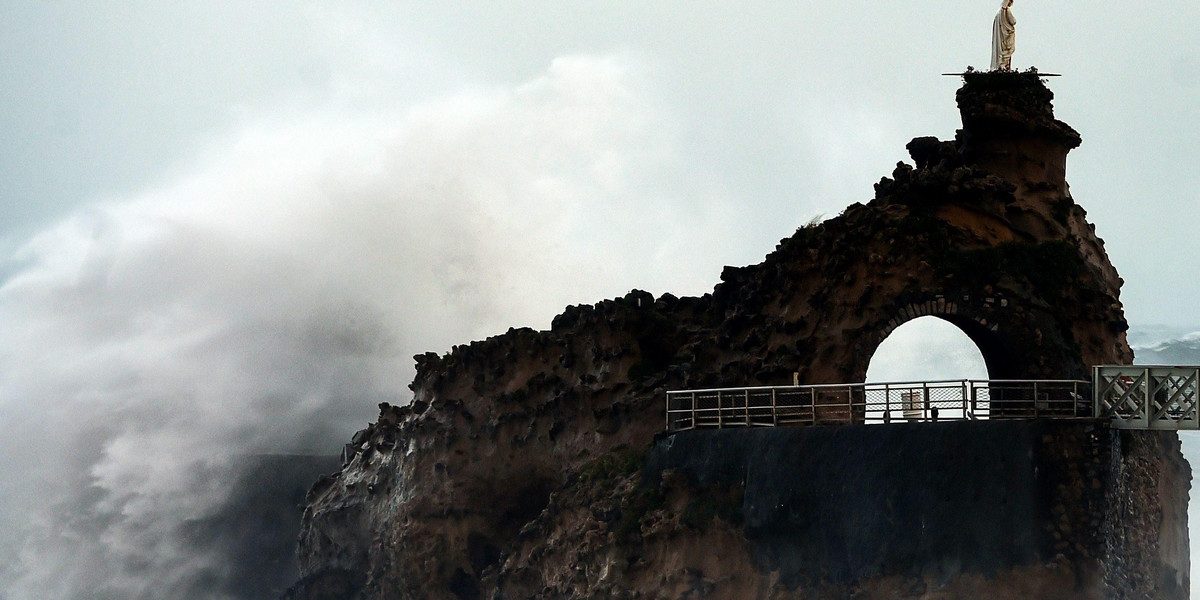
(518, 469)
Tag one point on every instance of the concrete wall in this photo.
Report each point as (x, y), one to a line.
(1018, 509)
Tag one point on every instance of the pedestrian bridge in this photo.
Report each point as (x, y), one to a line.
(1131, 397)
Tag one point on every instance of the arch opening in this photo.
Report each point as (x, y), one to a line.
(922, 371)
(926, 349)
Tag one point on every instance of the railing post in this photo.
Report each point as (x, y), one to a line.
(849, 404)
(1147, 394)
(1196, 392)
(747, 408)
(963, 397)
(887, 404)
(812, 416)
(974, 401)
(1035, 400)
(774, 410)
(669, 411)
(720, 411)
(694, 423)
(925, 396)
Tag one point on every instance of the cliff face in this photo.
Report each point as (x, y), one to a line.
(519, 468)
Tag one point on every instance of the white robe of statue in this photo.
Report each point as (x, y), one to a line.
(1004, 37)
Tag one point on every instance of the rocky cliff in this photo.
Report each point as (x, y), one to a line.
(525, 465)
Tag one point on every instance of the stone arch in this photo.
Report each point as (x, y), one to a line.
(1018, 338)
(987, 334)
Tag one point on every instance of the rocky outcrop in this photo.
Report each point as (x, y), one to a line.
(517, 470)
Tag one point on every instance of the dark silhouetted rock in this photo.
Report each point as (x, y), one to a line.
(518, 471)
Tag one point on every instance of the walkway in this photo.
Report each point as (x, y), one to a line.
(1133, 397)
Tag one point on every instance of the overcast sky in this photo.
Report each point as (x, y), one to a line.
(229, 225)
(776, 114)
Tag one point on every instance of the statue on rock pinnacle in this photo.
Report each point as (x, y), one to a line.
(1004, 37)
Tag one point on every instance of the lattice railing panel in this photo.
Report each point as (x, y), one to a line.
(1137, 397)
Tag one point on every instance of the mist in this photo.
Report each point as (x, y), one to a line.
(264, 299)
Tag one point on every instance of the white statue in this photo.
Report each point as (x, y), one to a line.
(1004, 37)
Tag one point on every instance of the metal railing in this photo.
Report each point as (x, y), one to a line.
(1148, 397)
(859, 403)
